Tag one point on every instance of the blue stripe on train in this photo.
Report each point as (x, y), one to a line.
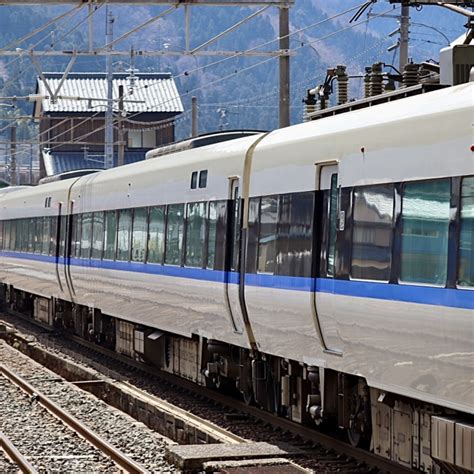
(454, 298)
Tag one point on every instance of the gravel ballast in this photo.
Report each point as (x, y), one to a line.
(60, 452)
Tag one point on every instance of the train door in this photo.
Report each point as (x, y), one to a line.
(232, 280)
(59, 249)
(325, 295)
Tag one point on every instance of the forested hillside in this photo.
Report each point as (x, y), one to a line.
(236, 93)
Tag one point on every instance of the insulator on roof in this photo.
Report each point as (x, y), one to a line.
(342, 85)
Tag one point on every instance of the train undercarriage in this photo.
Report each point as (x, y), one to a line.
(412, 433)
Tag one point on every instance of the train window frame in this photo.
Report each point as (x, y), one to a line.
(98, 253)
(179, 261)
(118, 257)
(203, 179)
(263, 267)
(163, 209)
(333, 225)
(459, 283)
(401, 280)
(203, 231)
(392, 232)
(145, 232)
(194, 180)
(87, 226)
(105, 253)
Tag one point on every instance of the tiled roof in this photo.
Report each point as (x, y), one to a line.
(152, 92)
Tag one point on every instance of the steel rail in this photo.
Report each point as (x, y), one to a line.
(110, 451)
(284, 424)
(305, 432)
(15, 455)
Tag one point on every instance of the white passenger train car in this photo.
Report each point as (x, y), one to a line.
(327, 269)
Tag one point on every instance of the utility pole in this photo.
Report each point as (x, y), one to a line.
(121, 133)
(284, 66)
(194, 117)
(109, 117)
(404, 36)
(13, 179)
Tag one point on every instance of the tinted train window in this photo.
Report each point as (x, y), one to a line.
(174, 234)
(252, 235)
(123, 234)
(332, 233)
(294, 241)
(466, 238)
(195, 234)
(372, 233)
(6, 235)
(31, 235)
(110, 234)
(38, 223)
(267, 235)
(46, 235)
(217, 227)
(86, 235)
(97, 235)
(13, 235)
(139, 235)
(62, 235)
(425, 229)
(156, 235)
(203, 179)
(76, 235)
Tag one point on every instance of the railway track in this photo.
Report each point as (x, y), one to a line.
(321, 452)
(14, 459)
(79, 430)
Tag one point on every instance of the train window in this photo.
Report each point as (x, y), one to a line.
(46, 235)
(86, 235)
(252, 235)
(174, 234)
(139, 235)
(2, 225)
(97, 235)
(466, 238)
(236, 225)
(76, 235)
(294, 242)
(62, 235)
(110, 235)
(332, 232)
(372, 232)
(195, 233)
(123, 234)
(203, 178)
(194, 179)
(217, 235)
(6, 235)
(31, 235)
(38, 224)
(156, 235)
(13, 235)
(425, 230)
(22, 240)
(267, 234)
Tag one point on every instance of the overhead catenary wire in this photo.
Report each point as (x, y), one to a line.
(354, 25)
(258, 64)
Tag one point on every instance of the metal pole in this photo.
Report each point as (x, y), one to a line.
(109, 125)
(13, 177)
(284, 67)
(404, 36)
(90, 24)
(121, 134)
(194, 117)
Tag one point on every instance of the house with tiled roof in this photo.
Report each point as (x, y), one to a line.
(71, 115)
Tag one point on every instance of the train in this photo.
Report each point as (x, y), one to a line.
(324, 271)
